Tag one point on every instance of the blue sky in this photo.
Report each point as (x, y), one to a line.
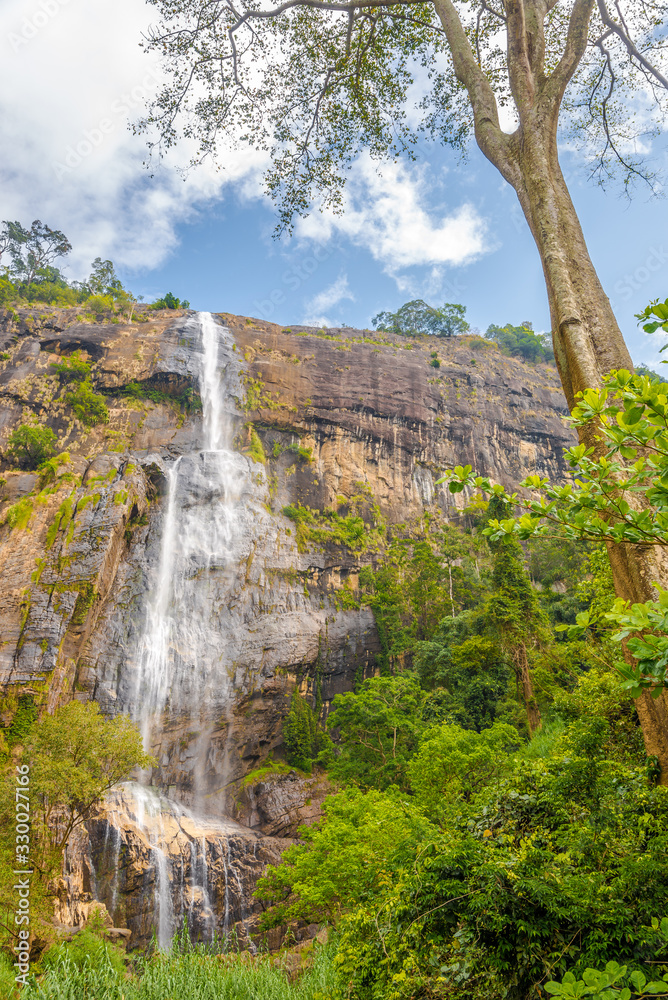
(72, 76)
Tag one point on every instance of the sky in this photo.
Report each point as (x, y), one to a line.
(72, 79)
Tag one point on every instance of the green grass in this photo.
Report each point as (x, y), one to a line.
(195, 975)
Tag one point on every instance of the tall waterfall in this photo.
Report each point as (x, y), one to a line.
(193, 859)
(181, 644)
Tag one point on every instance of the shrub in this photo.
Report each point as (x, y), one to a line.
(30, 445)
(19, 514)
(88, 405)
(302, 736)
(72, 369)
(170, 301)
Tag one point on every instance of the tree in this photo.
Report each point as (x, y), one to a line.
(380, 726)
(30, 445)
(33, 251)
(618, 495)
(103, 279)
(72, 758)
(416, 318)
(315, 82)
(521, 341)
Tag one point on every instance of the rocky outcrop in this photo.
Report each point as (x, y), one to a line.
(156, 866)
(277, 804)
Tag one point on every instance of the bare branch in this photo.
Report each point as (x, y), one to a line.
(622, 33)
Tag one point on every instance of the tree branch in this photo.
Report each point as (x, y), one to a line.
(576, 44)
(622, 33)
(491, 140)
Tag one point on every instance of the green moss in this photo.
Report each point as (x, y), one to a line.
(120, 497)
(19, 514)
(84, 602)
(255, 449)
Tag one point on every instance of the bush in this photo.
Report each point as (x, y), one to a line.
(30, 445)
(170, 301)
(72, 369)
(303, 739)
(88, 405)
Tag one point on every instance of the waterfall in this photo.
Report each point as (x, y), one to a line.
(181, 646)
(177, 666)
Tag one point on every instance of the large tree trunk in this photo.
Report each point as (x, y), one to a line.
(587, 340)
(523, 677)
(587, 345)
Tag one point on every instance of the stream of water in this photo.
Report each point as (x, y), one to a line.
(180, 650)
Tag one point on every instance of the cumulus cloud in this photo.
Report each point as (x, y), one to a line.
(72, 76)
(387, 213)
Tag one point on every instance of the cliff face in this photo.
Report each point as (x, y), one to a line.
(316, 414)
(369, 408)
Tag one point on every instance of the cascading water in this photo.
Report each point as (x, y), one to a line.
(178, 674)
(180, 649)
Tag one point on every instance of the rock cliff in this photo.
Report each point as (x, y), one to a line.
(324, 419)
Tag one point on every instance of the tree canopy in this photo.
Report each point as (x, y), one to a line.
(416, 318)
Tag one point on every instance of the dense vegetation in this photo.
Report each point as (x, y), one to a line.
(31, 276)
(499, 830)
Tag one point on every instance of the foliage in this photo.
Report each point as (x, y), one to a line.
(193, 975)
(608, 984)
(332, 85)
(302, 736)
(654, 317)
(456, 762)
(530, 862)
(356, 524)
(30, 445)
(416, 318)
(619, 496)
(74, 756)
(88, 405)
(379, 727)
(72, 369)
(255, 450)
(88, 951)
(169, 301)
(521, 342)
(19, 514)
(345, 859)
(32, 251)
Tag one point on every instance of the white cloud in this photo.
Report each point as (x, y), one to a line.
(388, 214)
(325, 300)
(71, 77)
